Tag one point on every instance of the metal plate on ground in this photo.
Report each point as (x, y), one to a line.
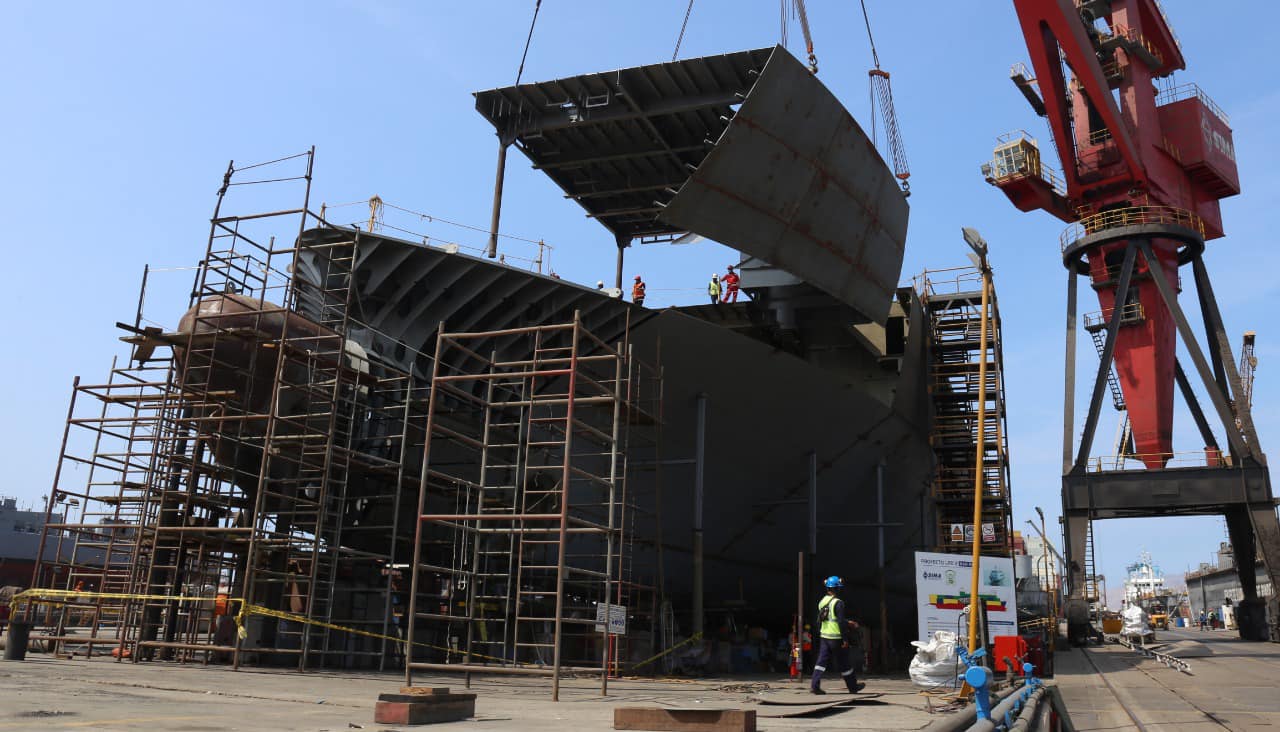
(804, 698)
(798, 711)
(796, 708)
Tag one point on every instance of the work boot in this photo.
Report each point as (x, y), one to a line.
(857, 687)
(816, 690)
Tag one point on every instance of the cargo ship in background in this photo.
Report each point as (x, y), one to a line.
(1144, 586)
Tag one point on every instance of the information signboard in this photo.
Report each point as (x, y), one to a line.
(942, 592)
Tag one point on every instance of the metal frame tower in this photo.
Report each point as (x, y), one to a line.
(1145, 164)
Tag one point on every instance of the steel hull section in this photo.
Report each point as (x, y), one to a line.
(795, 181)
(768, 410)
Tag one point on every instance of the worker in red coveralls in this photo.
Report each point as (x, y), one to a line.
(834, 631)
(637, 291)
(730, 283)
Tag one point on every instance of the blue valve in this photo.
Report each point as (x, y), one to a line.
(970, 659)
(979, 677)
(1028, 672)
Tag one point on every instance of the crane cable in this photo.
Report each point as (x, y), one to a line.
(881, 91)
(687, 12)
(536, 7)
(808, 37)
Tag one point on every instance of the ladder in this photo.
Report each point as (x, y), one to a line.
(1113, 382)
(1091, 591)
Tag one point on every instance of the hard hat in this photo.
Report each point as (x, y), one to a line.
(599, 283)
(834, 583)
(731, 268)
(637, 278)
(715, 275)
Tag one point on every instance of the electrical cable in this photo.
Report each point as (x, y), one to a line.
(687, 12)
(536, 7)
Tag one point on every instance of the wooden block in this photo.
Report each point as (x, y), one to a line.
(419, 712)
(424, 690)
(684, 720)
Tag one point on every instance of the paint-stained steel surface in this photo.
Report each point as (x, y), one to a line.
(796, 182)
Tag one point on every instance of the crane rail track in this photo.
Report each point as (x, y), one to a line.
(1136, 664)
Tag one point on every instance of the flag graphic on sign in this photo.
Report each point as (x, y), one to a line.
(960, 601)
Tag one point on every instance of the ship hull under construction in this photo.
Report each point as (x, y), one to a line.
(358, 450)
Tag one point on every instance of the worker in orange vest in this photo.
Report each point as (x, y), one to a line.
(637, 291)
(730, 282)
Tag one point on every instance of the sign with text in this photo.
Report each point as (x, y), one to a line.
(963, 533)
(615, 615)
(942, 592)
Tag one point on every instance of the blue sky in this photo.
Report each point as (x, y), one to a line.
(120, 119)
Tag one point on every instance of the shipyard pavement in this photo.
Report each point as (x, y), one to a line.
(42, 693)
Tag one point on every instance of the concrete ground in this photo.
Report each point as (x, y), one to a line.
(100, 694)
(1236, 687)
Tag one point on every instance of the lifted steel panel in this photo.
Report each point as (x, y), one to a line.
(795, 182)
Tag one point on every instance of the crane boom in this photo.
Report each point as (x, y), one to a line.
(1248, 362)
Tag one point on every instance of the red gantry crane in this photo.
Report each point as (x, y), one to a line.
(1131, 155)
(1145, 164)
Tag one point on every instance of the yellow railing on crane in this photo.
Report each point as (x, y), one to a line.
(1130, 216)
(1131, 313)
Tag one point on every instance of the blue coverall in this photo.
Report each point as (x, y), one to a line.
(832, 650)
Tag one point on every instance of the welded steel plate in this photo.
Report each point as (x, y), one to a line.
(795, 181)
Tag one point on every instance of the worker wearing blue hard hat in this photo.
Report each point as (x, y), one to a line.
(833, 639)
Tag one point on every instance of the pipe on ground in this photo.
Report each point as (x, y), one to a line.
(964, 719)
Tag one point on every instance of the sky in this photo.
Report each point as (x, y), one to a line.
(121, 117)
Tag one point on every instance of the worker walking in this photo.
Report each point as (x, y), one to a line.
(730, 281)
(1204, 620)
(833, 639)
(713, 289)
(637, 291)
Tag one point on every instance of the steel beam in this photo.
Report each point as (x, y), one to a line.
(1104, 363)
(1193, 404)
(499, 177)
(698, 488)
(1069, 394)
(613, 157)
(1195, 491)
(1221, 346)
(1238, 447)
(563, 117)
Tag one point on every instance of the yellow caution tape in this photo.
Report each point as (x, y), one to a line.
(246, 609)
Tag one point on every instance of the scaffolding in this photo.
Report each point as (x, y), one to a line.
(527, 521)
(953, 302)
(93, 521)
(253, 455)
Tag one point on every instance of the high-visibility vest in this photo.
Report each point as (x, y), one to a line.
(830, 629)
